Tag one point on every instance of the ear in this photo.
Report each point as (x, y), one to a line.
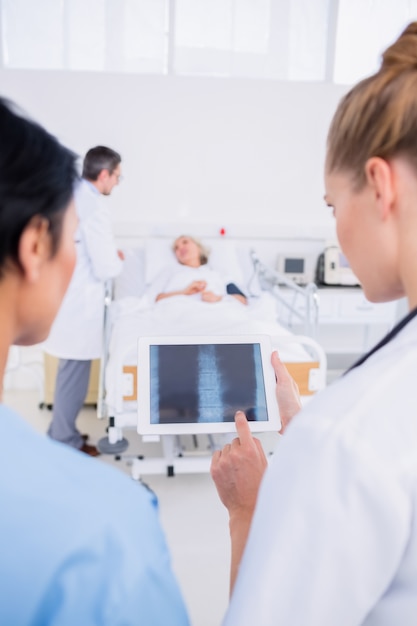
(103, 177)
(380, 178)
(34, 248)
(104, 174)
(101, 180)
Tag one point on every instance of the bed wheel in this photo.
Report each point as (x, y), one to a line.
(170, 471)
(116, 448)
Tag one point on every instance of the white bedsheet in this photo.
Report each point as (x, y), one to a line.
(184, 315)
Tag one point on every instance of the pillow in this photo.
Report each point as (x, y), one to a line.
(131, 280)
(158, 256)
(223, 258)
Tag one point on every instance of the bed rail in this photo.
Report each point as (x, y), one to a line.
(108, 298)
(301, 303)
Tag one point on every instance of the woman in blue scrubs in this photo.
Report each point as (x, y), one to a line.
(80, 543)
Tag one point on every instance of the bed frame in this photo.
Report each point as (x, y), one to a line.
(301, 303)
(300, 307)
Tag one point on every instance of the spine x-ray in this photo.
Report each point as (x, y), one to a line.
(206, 383)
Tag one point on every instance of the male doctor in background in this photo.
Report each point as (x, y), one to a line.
(76, 335)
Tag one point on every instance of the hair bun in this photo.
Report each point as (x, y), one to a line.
(402, 55)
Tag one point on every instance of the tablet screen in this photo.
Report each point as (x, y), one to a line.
(204, 384)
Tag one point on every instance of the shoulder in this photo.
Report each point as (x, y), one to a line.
(84, 189)
(206, 270)
(64, 478)
(368, 415)
(84, 528)
(86, 199)
(165, 274)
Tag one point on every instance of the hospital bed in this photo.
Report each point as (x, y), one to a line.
(276, 306)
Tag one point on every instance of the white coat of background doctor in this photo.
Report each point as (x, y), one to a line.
(76, 335)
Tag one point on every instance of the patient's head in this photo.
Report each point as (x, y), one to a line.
(190, 251)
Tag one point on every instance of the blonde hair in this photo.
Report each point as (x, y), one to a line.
(378, 117)
(204, 251)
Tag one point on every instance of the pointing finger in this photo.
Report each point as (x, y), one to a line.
(242, 427)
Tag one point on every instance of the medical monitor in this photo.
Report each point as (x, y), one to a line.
(196, 384)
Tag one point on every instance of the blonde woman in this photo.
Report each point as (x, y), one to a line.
(193, 276)
(330, 539)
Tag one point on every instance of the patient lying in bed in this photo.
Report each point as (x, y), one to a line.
(192, 277)
(178, 301)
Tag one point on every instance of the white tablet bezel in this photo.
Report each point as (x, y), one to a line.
(144, 425)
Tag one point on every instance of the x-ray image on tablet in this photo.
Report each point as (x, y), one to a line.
(196, 384)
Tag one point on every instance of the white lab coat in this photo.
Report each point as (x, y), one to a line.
(334, 537)
(78, 328)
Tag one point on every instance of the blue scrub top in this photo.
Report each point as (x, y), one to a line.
(80, 543)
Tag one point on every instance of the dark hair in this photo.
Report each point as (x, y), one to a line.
(98, 159)
(378, 117)
(37, 176)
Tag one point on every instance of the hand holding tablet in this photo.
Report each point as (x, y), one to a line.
(196, 384)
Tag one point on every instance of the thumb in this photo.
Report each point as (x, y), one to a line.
(281, 372)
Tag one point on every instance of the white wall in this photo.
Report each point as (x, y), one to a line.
(244, 154)
(198, 154)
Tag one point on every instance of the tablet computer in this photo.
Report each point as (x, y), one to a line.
(195, 384)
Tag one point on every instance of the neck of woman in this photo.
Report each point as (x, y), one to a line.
(7, 325)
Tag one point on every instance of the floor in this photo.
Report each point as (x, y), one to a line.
(194, 520)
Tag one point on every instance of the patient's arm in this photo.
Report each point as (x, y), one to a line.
(209, 296)
(197, 286)
(237, 471)
(233, 290)
(240, 298)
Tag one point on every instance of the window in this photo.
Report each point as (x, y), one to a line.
(98, 35)
(364, 29)
(300, 40)
(29, 40)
